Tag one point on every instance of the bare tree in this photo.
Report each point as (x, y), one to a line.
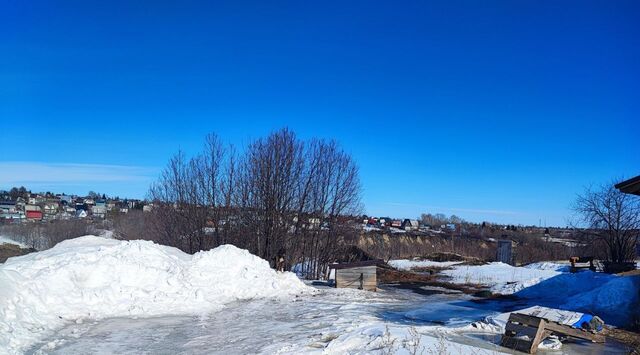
(280, 196)
(613, 217)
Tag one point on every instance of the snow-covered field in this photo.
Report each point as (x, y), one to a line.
(501, 278)
(97, 295)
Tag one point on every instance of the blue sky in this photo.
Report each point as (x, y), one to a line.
(498, 110)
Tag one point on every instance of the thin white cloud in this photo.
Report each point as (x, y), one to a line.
(455, 209)
(27, 173)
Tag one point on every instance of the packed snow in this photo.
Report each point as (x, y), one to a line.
(405, 264)
(91, 278)
(613, 298)
(499, 277)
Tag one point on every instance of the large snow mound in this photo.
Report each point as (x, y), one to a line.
(93, 278)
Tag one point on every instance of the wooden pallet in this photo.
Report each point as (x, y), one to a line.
(536, 329)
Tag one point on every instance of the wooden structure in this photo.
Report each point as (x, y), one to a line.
(505, 252)
(631, 186)
(524, 332)
(359, 275)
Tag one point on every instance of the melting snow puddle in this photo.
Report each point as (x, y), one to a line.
(305, 325)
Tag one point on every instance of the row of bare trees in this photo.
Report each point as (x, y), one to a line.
(279, 197)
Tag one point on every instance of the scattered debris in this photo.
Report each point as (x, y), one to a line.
(526, 329)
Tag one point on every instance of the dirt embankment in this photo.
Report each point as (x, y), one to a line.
(415, 280)
(402, 246)
(9, 250)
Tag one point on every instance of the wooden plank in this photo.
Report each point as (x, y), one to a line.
(525, 319)
(540, 335)
(516, 344)
(575, 333)
(521, 329)
(523, 325)
(356, 264)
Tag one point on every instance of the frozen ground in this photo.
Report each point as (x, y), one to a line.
(97, 295)
(499, 277)
(332, 322)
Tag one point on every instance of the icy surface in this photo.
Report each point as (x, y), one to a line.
(91, 278)
(331, 322)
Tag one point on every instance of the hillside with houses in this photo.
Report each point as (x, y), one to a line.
(19, 205)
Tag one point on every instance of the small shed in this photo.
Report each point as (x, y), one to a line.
(359, 275)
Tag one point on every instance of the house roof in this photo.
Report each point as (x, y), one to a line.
(631, 186)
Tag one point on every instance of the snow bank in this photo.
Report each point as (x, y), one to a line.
(501, 278)
(93, 278)
(612, 298)
(405, 264)
(548, 265)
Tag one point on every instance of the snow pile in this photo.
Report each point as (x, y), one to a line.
(548, 265)
(93, 278)
(405, 264)
(500, 277)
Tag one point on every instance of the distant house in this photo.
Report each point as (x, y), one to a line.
(7, 207)
(31, 207)
(9, 212)
(81, 214)
(65, 215)
(410, 225)
(51, 208)
(99, 210)
(34, 215)
(396, 223)
(314, 223)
